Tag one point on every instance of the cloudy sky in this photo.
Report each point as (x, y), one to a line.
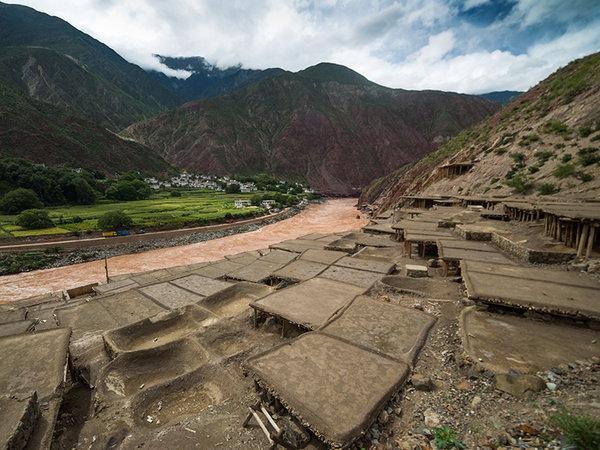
(470, 46)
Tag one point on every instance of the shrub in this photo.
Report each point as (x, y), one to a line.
(566, 158)
(533, 169)
(588, 156)
(114, 220)
(34, 219)
(445, 438)
(585, 131)
(518, 157)
(579, 430)
(559, 146)
(19, 200)
(528, 139)
(544, 155)
(175, 194)
(556, 127)
(585, 177)
(547, 189)
(520, 184)
(76, 219)
(564, 170)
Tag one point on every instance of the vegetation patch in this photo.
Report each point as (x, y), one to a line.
(547, 189)
(528, 140)
(520, 184)
(582, 431)
(588, 156)
(564, 170)
(26, 261)
(445, 438)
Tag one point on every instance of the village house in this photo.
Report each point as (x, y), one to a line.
(242, 203)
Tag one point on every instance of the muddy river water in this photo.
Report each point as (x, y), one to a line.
(329, 217)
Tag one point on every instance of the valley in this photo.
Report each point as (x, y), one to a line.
(346, 225)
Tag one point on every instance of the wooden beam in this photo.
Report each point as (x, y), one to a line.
(582, 239)
(590, 243)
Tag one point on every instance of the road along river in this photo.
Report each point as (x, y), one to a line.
(332, 216)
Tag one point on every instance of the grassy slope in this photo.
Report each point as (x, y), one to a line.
(46, 134)
(162, 210)
(569, 96)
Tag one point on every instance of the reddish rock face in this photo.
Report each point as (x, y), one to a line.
(337, 135)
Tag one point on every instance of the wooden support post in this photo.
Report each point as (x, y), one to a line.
(590, 243)
(577, 234)
(106, 269)
(582, 239)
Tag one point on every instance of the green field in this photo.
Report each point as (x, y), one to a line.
(194, 207)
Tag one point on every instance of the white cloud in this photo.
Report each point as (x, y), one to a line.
(407, 44)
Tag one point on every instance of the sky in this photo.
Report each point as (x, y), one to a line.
(470, 46)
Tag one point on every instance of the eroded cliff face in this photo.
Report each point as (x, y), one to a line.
(330, 126)
(546, 143)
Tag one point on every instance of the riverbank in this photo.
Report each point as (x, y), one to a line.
(331, 216)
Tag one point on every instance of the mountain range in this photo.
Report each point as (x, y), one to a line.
(70, 99)
(326, 124)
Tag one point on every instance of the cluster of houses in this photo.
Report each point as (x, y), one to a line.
(188, 180)
(241, 203)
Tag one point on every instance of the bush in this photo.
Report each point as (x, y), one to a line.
(129, 190)
(585, 177)
(76, 219)
(585, 131)
(557, 127)
(34, 219)
(564, 170)
(579, 430)
(588, 156)
(566, 158)
(528, 139)
(175, 194)
(544, 155)
(19, 200)
(533, 169)
(233, 188)
(520, 184)
(114, 220)
(547, 189)
(518, 157)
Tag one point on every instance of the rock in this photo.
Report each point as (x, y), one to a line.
(398, 411)
(594, 266)
(431, 418)
(384, 417)
(551, 386)
(519, 385)
(418, 306)
(421, 382)
(464, 386)
(476, 401)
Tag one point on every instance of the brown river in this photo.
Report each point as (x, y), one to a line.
(331, 216)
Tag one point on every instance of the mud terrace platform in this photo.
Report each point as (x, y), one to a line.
(324, 333)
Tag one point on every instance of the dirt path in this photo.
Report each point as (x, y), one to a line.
(329, 217)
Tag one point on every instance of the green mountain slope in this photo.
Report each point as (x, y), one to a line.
(326, 124)
(50, 60)
(48, 134)
(544, 143)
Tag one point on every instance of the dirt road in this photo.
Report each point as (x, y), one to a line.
(329, 217)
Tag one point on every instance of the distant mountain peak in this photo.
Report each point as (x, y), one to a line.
(327, 71)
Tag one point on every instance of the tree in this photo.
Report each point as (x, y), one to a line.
(129, 190)
(34, 219)
(19, 200)
(114, 220)
(233, 188)
(78, 191)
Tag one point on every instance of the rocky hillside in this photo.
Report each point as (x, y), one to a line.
(546, 143)
(207, 80)
(51, 61)
(48, 134)
(326, 124)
